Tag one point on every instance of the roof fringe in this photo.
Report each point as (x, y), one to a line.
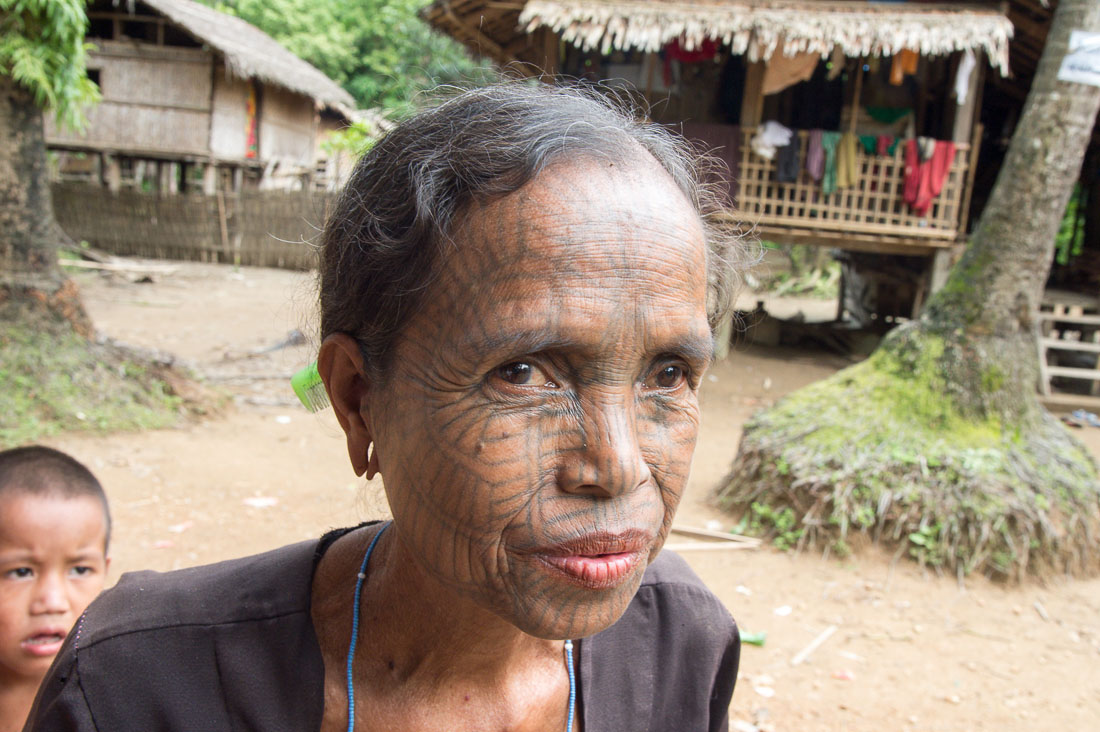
(758, 30)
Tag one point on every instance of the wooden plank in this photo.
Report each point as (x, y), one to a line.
(1074, 373)
(1072, 319)
(1059, 344)
(707, 533)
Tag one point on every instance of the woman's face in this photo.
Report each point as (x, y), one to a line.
(536, 429)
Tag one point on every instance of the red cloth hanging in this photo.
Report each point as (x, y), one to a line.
(673, 51)
(942, 160)
(924, 179)
(912, 172)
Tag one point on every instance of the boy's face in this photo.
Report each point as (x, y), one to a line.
(52, 565)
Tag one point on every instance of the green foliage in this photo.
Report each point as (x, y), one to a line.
(1070, 240)
(378, 50)
(42, 47)
(357, 138)
(781, 523)
(55, 382)
(810, 273)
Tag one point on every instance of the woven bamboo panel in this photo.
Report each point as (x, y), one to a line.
(875, 205)
(262, 228)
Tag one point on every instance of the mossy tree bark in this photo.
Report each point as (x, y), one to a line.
(992, 296)
(938, 442)
(32, 285)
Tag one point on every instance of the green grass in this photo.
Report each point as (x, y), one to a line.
(52, 382)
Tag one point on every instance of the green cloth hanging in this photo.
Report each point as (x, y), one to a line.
(829, 142)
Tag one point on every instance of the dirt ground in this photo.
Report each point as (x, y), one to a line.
(911, 650)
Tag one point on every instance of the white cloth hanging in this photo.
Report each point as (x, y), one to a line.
(962, 77)
(769, 137)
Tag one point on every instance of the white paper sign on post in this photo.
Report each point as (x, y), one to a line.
(1082, 61)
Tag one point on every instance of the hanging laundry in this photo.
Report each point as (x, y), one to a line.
(869, 142)
(925, 178)
(926, 147)
(905, 62)
(962, 76)
(673, 51)
(815, 156)
(784, 71)
(769, 137)
(887, 115)
(886, 145)
(847, 161)
(942, 160)
(829, 142)
(912, 172)
(787, 163)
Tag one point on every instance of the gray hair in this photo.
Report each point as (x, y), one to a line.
(382, 243)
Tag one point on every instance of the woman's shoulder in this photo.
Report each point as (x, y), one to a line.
(671, 659)
(671, 592)
(221, 647)
(267, 585)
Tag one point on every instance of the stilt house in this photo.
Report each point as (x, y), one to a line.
(811, 103)
(197, 99)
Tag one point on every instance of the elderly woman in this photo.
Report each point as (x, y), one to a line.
(514, 314)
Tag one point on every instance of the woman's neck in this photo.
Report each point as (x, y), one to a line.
(414, 629)
(434, 633)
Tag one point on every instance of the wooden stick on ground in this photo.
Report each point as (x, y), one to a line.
(805, 652)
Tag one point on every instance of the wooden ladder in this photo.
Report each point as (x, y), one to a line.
(1052, 331)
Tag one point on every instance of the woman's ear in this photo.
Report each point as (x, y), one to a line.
(340, 364)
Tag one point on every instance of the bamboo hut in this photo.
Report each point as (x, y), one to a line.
(726, 72)
(196, 99)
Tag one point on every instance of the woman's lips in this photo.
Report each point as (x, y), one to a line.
(600, 560)
(598, 572)
(46, 643)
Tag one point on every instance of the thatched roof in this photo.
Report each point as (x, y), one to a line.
(251, 53)
(757, 28)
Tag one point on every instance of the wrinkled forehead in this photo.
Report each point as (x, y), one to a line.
(602, 217)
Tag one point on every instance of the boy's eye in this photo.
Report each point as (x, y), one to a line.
(523, 373)
(20, 573)
(82, 571)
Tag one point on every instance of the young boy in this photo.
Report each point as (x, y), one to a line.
(54, 529)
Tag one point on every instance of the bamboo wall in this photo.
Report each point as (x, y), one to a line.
(229, 130)
(254, 228)
(287, 127)
(155, 99)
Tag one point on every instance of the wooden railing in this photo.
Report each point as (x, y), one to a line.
(875, 205)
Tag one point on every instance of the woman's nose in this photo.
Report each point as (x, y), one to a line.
(50, 596)
(604, 455)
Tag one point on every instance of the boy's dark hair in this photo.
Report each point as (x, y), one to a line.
(42, 471)
(382, 244)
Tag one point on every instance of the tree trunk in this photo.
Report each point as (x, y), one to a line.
(986, 311)
(31, 283)
(937, 442)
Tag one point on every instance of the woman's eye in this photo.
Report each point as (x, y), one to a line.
(669, 376)
(522, 373)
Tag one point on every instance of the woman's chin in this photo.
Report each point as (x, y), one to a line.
(578, 612)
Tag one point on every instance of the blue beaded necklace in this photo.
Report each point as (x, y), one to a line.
(355, 641)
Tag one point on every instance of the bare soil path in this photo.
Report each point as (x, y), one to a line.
(912, 650)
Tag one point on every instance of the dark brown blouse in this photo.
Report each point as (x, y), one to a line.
(231, 646)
